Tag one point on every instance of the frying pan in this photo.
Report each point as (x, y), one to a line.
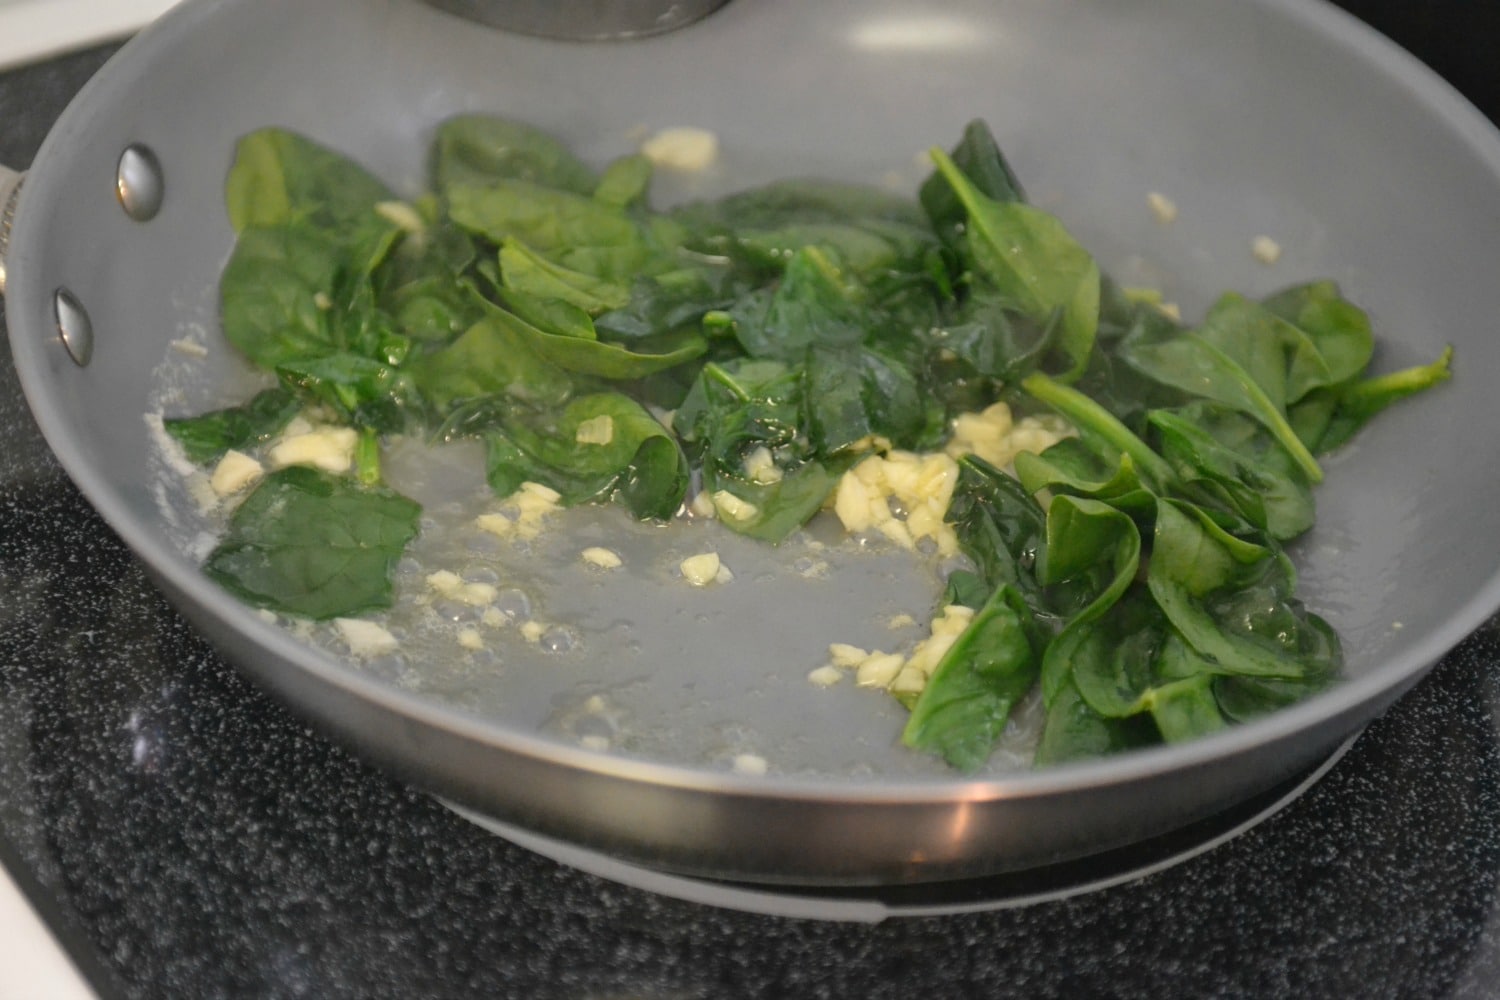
(1276, 117)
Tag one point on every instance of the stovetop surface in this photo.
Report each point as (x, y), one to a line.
(187, 837)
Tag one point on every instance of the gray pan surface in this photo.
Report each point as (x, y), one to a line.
(1280, 118)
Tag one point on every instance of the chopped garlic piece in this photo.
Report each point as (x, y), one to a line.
(879, 669)
(596, 430)
(852, 503)
(496, 524)
(235, 471)
(750, 763)
(915, 483)
(682, 148)
(1164, 208)
(953, 619)
(841, 654)
(1265, 249)
(328, 448)
(494, 618)
(702, 569)
(997, 438)
(760, 467)
(365, 639)
(732, 508)
(897, 532)
(400, 214)
(597, 555)
(532, 630)
(470, 638)
(544, 493)
(702, 505)
(826, 675)
(456, 588)
(909, 681)
(522, 513)
(191, 348)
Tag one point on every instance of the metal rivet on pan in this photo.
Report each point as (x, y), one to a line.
(73, 326)
(138, 182)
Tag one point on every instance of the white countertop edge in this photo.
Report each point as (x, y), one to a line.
(32, 30)
(35, 966)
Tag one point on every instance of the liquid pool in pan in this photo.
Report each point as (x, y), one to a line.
(1008, 890)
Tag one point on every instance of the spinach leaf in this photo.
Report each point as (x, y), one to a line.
(570, 229)
(811, 306)
(1187, 709)
(365, 393)
(1329, 340)
(775, 509)
(1091, 557)
(625, 182)
(566, 342)
(1218, 446)
(279, 178)
(1073, 467)
(659, 303)
(1329, 418)
(740, 406)
(793, 203)
(977, 156)
(1232, 600)
(272, 292)
(208, 436)
(967, 588)
(1000, 527)
(423, 284)
(1027, 257)
(1131, 663)
(1243, 699)
(1107, 433)
(1074, 731)
(314, 545)
(476, 150)
(855, 392)
(599, 447)
(524, 270)
(995, 341)
(493, 358)
(990, 667)
(1197, 366)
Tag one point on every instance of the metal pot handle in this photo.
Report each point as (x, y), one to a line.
(10, 190)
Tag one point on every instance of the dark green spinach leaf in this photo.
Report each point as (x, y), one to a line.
(314, 545)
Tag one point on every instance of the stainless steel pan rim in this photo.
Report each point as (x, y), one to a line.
(1337, 712)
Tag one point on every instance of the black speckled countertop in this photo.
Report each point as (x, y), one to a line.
(187, 837)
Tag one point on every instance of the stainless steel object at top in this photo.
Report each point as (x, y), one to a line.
(583, 20)
(1282, 117)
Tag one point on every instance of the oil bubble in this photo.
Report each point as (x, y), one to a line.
(559, 639)
(514, 603)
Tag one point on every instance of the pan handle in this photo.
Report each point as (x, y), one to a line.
(10, 190)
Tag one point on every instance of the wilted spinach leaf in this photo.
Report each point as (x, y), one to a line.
(966, 702)
(598, 447)
(314, 545)
(480, 149)
(1027, 257)
(207, 436)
